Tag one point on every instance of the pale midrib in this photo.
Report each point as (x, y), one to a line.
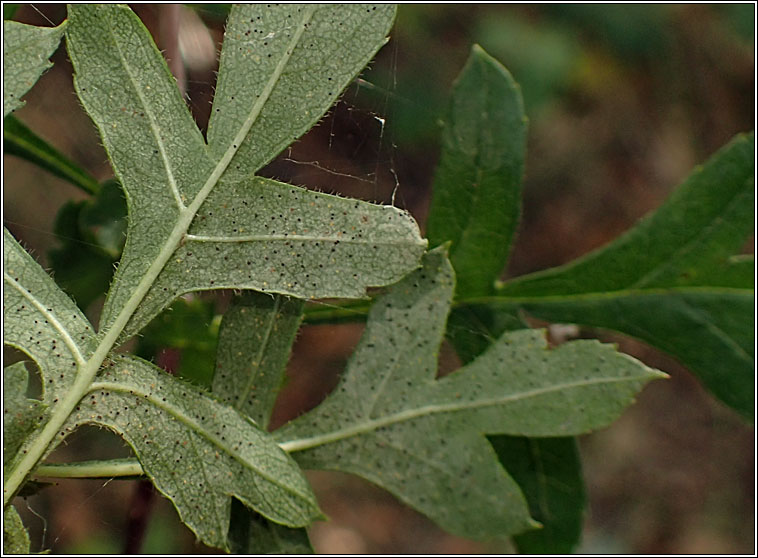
(153, 126)
(302, 444)
(42, 309)
(195, 427)
(304, 238)
(87, 372)
(428, 410)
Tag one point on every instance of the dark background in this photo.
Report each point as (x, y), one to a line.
(623, 101)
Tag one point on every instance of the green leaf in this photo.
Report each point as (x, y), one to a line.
(15, 536)
(476, 205)
(251, 533)
(9, 10)
(91, 234)
(281, 68)
(391, 422)
(197, 451)
(40, 320)
(264, 235)
(22, 142)
(176, 210)
(477, 189)
(193, 219)
(671, 280)
(191, 328)
(103, 219)
(255, 341)
(548, 470)
(26, 50)
(21, 415)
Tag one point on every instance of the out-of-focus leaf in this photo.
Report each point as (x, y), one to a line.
(22, 142)
(26, 50)
(672, 280)
(197, 451)
(390, 421)
(9, 10)
(251, 533)
(477, 189)
(255, 342)
(548, 471)
(91, 236)
(103, 219)
(190, 328)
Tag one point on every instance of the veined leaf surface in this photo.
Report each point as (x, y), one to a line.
(197, 451)
(42, 321)
(477, 187)
(15, 536)
(26, 49)
(21, 415)
(671, 280)
(176, 186)
(255, 342)
(391, 422)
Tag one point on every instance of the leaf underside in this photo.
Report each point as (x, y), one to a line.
(197, 451)
(391, 422)
(26, 50)
(195, 214)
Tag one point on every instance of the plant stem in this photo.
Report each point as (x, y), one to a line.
(112, 468)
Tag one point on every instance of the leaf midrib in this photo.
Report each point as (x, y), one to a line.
(187, 421)
(87, 372)
(344, 239)
(369, 426)
(154, 128)
(42, 309)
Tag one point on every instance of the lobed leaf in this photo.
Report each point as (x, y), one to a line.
(176, 188)
(476, 206)
(671, 280)
(40, 320)
(477, 188)
(391, 422)
(197, 451)
(281, 68)
(265, 235)
(26, 50)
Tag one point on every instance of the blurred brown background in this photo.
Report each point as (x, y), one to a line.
(623, 101)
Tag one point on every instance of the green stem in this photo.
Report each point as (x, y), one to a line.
(111, 468)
